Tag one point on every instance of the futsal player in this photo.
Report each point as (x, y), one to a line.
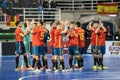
(34, 26)
(94, 43)
(81, 45)
(20, 48)
(26, 29)
(37, 46)
(72, 44)
(58, 47)
(53, 27)
(101, 43)
(43, 46)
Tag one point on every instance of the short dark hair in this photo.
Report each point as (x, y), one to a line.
(52, 23)
(41, 22)
(35, 23)
(72, 22)
(58, 23)
(25, 25)
(17, 23)
(78, 24)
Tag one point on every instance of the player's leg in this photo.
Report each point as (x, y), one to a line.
(62, 67)
(52, 52)
(37, 56)
(102, 52)
(24, 54)
(34, 61)
(75, 53)
(53, 56)
(33, 57)
(44, 58)
(27, 49)
(56, 54)
(28, 52)
(17, 52)
(26, 60)
(70, 56)
(93, 50)
(80, 58)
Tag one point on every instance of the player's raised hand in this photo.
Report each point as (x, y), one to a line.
(91, 22)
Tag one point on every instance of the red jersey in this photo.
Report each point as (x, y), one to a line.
(94, 38)
(42, 34)
(73, 40)
(39, 36)
(101, 38)
(18, 31)
(58, 39)
(81, 37)
(36, 31)
(33, 38)
(52, 37)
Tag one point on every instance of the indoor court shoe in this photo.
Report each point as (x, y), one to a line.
(60, 67)
(81, 68)
(99, 68)
(94, 67)
(70, 69)
(17, 69)
(24, 68)
(37, 71)
(64, 70)
(31, 68)
(104, 67)
(56, 70)
(47, 70)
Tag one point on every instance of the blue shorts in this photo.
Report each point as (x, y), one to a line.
(93, 50)
(20, 48)
(57, 51)
(42, 50)
(102, 49)
(33, 50)
(36, 50)
(72, 50)
(82, 50)
(52, 49)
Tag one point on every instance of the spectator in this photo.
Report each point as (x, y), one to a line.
(11, 11)
(117, 34)
(46, 4)
(46, 10)
(53, 4)
(109, 33)
(34, 3)
(3, 5)
(12, 4)
(40, 2)
(24, 3)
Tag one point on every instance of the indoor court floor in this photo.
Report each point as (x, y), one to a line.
(7, 72)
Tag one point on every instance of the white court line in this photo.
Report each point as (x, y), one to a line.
(113, 78)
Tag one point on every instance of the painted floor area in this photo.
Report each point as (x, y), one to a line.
(7, 72)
